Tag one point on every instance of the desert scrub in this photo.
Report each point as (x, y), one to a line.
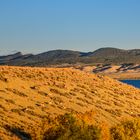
(2, 107)
(67, 127)
(60, 92)
(10, 101)
(3, 78)
(43, 93)
(128, 130)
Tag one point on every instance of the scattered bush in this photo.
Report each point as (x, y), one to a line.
(128, 130)
(72, 127)
(2, 78)
(68, 128)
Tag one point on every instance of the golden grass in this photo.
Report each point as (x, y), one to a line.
(28, 95)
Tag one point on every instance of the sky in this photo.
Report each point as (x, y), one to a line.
(34, 26)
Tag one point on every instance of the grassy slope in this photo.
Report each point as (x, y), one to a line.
(27, 95)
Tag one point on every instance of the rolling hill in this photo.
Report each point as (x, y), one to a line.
(68, 57)
(28, 95)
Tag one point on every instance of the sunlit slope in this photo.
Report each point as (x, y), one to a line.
(27, 95)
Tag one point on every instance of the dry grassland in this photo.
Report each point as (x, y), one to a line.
(29, 95)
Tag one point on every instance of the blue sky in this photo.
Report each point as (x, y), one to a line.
(41, 25)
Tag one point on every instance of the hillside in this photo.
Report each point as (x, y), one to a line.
(14, 58)
(28, 95)
(68, 57)
(123, 71)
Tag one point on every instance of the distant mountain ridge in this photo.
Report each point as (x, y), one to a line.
(61, 57)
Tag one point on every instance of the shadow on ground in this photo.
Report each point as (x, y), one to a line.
(18, 132)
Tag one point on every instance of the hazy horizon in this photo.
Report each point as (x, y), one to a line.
(38, 26)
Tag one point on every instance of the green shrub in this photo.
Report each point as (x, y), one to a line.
(128, 130)
(68, 128)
